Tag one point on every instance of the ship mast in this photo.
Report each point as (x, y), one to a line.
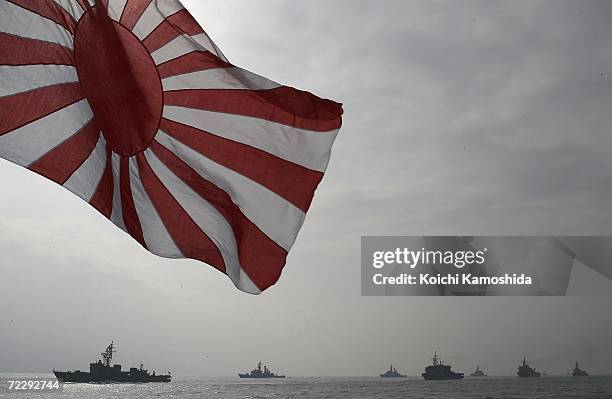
(435, 358)
(107, 355)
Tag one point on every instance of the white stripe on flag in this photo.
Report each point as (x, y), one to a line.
(219, 78)
(117, 213)
(182, 45)
(208, 218)
(115, 8)
(28, 143)
(84, 181)
(273, 215)
(302, 147)
(19, 79)
(25, 23)
(154, 15)
(72, 7)
(155, 234)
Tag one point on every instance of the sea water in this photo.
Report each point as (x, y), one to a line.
(339, 387)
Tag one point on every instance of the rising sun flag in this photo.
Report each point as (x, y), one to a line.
(130, 105)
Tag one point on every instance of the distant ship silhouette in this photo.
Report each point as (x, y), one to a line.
(103, 372)
(392, 373)
(478, 373)
(524, 371)
(439, 371)
(260, 373)
(577, 372)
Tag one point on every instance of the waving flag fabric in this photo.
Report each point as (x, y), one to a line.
(131, 106)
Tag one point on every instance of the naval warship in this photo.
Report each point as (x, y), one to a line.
(103, 372)
(392, 373)
(478, 372)
(579, 372)
(440, 371)
(525, 371)
(259, 373)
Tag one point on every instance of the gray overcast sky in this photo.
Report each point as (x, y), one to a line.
(482, 117)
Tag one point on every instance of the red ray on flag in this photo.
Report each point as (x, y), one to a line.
(132, 107)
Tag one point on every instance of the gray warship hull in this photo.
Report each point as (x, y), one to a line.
(88, 378)
(438, 377)
(251, 376)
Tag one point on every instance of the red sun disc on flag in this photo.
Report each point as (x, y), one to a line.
(120, 80)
